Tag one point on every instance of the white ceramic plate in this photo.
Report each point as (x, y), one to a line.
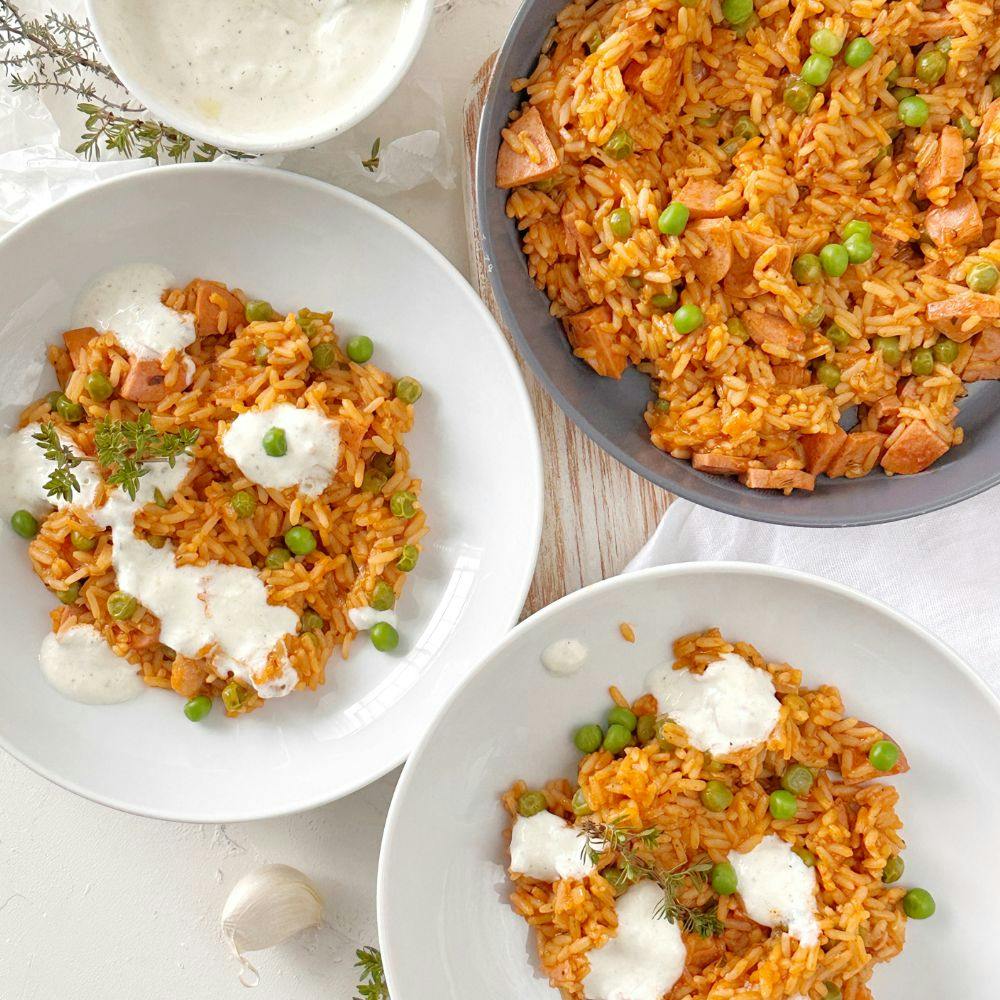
(445, 927)
(296, 242)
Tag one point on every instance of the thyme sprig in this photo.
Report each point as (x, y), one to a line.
(59, 54)
(372, 985)
(626, 844)
(62, 481)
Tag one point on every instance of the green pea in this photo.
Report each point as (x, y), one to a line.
(797, 779)
(828, 374)
(311, 621)
(381, 462)
(588, 738)
(99, 386)
(913, 111)
(622, 717)
(826, 42)
(892, 77)
(922, 361)
(277, 558)
(889, 346)
(737, 329)
(70, 594)
(53, 397)
(740, 30)
(994, 82)
(716, 796)
(723, 878)
(859, 51)
(645, 729)
(837, 335)
(900, 94)
(816, 69)
(122, 606)
(620, 145)
(945, 351)
(581, 807)
(300, 540)
(408, 557)
(813, 317)
(859, 250)
(665, 300)
(261, 353)
(732, 146)
(409, 390)
(711, 120)
(258, 311)
(745, 128)
(918, 904)
(634, 281)
(616, 738)
(274, 442)
(834, 259)
(197, 708)
(805, 856)
(673, 219)
(82, 542)
(244, 503)
(798, 94)
(782, 804)
(373, 481)
(833, 991)
(944, 45)
(856, 228)
(982, 277)
(156, 541)
(736, 11)
(968, 130)
(383, 597)
(931, 65)
(71, 412)
(807, 269)
(531, 803)
(883, 755)
(620, 223)
(403, 504)
(893, 871)
(661, 405)
(325, 354)
(688, 318)
(24, 523)
(359, 349)
(384, 637)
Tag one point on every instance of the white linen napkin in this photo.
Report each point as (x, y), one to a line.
(940, 569)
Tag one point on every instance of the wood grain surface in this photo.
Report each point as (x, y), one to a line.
(598, 513)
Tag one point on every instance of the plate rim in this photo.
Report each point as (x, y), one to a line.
(317, 187)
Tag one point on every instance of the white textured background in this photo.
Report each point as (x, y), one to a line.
(98, 905)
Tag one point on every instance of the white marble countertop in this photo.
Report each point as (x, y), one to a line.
(99, 905)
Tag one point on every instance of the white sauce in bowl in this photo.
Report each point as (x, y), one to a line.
(126, 302)
(80, 665)
(777, 888)
(259, 69)
(545, 847)
(313, 448)
(645, 957)
(364, 618)
(731, 706)
(564, 656)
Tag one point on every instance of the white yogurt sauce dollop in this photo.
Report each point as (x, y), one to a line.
(258, 68)
(645, 957)
(313, 448)
(546, 847)
(731, 706)
(80, 665)
(364, 618)
(564, 656)
(25, 470)
(777, 888)
(126, 302)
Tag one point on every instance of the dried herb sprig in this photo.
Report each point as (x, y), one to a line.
(627, 843)
(372, 985)
(371, 164)
(62, 481)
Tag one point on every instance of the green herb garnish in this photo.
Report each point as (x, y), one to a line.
(371, 164)
(62, 481)
(372, 985)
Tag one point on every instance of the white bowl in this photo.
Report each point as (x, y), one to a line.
(165, 108)
(446, 929)
(296, 242)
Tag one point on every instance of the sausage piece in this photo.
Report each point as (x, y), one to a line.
(76, 342)
(984, 362)
(857, 456)
(778, 479)
(917, 448)
(588, 330)
(708, 199)
(515, 169)
(952, 314)
(820, 449)
(955, 224)
(144, 382)
(947, 164)
(769, 328)
(216, 309)
(740, 281)
(714, 265)
(719, 464)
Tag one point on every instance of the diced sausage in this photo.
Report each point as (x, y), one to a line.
(714, 265)
(707, 199)
(719, 464)
(211, 301)
(778, 458)
(588, 330)
(769, 328)
(947, 163)
(916, 448)
(857, 456)
(855, 767)
(955, 224)
(659, 101)
(740, 280)
(952, 314)
(144, 382)
(820, 449)
(778, 479)
(885, 413)
(187, 676)
(514, 168)
(932, 27)
(989, 130)
(76, 342)
(793, 375)
(984, 362)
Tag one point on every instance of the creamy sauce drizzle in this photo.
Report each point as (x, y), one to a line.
(80, 665)
(312, 441)
(126, 302)
(731, 706)
(545, 847)
(364, 618)
(564, 656)
(645, 957)
(257, 67)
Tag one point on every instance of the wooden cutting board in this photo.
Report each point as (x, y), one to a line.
(598, 513)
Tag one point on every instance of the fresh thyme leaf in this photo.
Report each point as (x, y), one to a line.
(371, 164)
(372, 985)
(62, 481)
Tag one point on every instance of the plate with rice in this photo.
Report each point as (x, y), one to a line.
(257, 519)
(688, 786)
(752, 250)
